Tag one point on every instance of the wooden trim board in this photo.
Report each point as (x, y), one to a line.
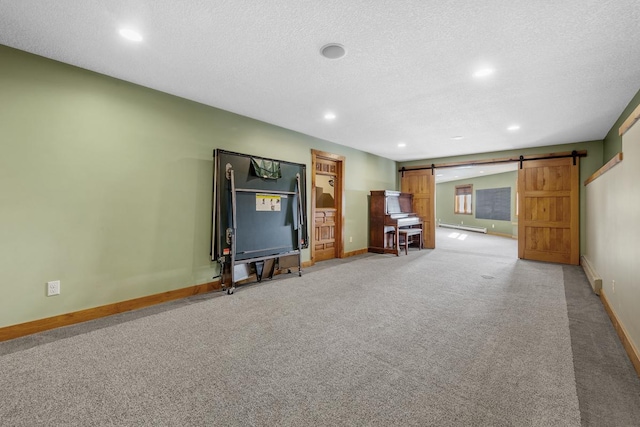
(608, 166)
(356, 252)
(495, 233)
(579, 153)
(40, 325)
(632, 352)
(634, 117)
(67, 319)
(327, 155)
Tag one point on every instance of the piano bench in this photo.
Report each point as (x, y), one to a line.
(406, 236)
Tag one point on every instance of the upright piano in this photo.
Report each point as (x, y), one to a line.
(389, 211)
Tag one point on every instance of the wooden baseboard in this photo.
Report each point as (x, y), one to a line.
(632, 352)
(40, 325)
(67, 319)
(354, 253)
(494, 233)
(592, 275)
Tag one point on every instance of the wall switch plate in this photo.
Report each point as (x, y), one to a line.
(53, 288)
(350, 239)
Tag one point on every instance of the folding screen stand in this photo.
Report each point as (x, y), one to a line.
(258, 219)
(259, 262)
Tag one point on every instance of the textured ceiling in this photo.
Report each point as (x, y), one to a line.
(564, 69)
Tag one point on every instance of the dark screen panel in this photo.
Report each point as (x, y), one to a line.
(259, 233)
(494, 203)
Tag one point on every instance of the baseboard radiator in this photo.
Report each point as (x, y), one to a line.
(594, 279)
(463, 227)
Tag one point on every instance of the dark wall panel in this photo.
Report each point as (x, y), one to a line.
(494, 203)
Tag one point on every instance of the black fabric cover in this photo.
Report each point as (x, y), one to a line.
(267, 169)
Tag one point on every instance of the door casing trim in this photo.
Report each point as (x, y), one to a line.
(340, 200)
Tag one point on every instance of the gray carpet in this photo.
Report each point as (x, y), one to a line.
(608, 386)
(445, 337)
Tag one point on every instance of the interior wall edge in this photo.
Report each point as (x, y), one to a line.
(613, 139)
(606, 168)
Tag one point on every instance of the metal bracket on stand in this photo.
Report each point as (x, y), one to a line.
(233, 230)
(300, 224)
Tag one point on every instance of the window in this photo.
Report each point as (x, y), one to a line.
(325, 191)
(462, 202)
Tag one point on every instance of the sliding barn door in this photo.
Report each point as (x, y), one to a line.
(421, 183)
(548, 223)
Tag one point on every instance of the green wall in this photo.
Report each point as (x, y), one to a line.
(588, 165)
(613, 141)
(106, 186)
(445, 202)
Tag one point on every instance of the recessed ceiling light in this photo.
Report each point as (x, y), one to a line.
(402, 144)
(457, 138)
(481, 171)
(333, 51)
(329, 116)
(483, 72)
(130, 34)
(439, 174)
(513, 127)
(455, 176)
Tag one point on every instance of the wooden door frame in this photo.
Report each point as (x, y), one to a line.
(339, 199)
(526, 157)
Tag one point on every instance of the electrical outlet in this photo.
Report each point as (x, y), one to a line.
(461, 222)
(350, 239)
(613, 286)
(493, 226)
(53, 288)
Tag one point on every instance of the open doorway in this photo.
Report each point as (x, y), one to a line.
(478, 198)
(534, 199)
(476, 208)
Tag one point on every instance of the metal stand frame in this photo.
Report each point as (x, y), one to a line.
(258, 262)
